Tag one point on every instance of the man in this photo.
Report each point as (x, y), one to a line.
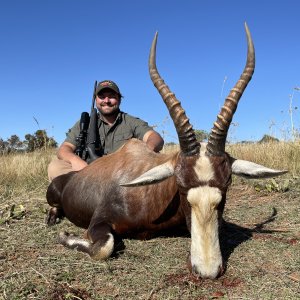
(115, 128)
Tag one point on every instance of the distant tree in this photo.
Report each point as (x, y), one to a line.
(39, 140)
(3, 146)
(32, 142)
(268, 138)
(13, 144)
(201, 135)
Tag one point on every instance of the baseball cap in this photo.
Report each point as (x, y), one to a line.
(107, 84)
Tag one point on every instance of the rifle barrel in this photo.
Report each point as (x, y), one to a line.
(94, 96)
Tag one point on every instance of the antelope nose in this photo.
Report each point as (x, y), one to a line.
(196, 270)
(206, 275)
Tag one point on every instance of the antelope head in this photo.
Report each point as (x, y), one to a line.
(203, 172)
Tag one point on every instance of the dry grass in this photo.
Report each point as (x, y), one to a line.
(24, 173)
(277, 155)
(260, 243)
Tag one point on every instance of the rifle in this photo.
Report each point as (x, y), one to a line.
(81, 139)
(92, 132)
(88, 133)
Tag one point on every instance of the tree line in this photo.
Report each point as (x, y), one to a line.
(32, 142)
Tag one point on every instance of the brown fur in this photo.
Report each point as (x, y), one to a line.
(94, 195)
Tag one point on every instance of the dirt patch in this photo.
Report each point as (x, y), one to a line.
(64, 291)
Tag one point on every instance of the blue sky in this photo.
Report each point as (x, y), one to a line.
(52, 52)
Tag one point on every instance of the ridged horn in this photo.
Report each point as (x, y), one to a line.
(186, 135)
(218, 135)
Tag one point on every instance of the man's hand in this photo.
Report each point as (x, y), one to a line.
(78, 163)
(66, 152)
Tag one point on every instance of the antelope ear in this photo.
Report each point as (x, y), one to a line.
(154, 175)
(251, 170)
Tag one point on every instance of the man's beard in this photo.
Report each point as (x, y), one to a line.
(112, 112)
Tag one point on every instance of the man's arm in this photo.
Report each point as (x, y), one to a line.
(66, 152)
(153, 140)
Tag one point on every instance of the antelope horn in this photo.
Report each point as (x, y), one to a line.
(218, 135)
(186, 135)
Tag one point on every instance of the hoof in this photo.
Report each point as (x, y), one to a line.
(97, 250)
(53, 217)
(100, 251)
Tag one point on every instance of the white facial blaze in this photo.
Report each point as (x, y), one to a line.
(206, 258)
(203, 167)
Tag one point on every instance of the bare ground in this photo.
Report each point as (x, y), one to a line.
(260, 243)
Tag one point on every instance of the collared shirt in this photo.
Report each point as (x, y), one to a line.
(112, 137)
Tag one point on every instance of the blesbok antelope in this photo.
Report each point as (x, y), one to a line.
(135, 192)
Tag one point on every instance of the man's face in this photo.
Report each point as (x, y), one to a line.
(108, 102)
